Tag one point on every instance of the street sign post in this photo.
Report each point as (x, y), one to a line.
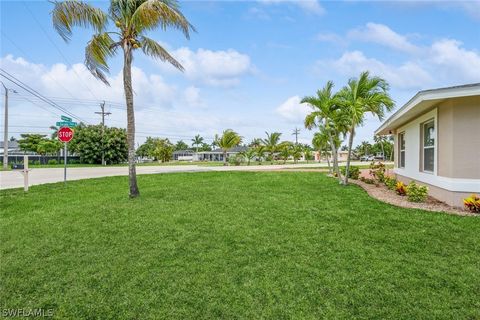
(65, 134)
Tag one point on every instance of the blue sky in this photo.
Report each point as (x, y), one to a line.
(248, 65)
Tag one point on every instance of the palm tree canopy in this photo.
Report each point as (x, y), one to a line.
(229, 140)
(272, 140)
(197, 140)
(132, 19)
(363, 95)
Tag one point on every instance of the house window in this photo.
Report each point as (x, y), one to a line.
(428, 145)
(401, 148)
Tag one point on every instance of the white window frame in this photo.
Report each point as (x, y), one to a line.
(423, 147)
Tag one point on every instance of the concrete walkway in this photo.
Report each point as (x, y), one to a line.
(14, 179)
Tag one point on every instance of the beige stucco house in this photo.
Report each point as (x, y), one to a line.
(437, 141)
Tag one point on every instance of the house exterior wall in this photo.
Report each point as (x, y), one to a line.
(457, 150)
(459, 136)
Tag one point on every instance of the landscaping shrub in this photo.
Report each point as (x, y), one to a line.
(52, 161)
(236, 160)
(472, 203)
(353, 172)
(367, 180)
(401, 188)
(416, 193)
(377, 171)
(390, 182)
(36, 162)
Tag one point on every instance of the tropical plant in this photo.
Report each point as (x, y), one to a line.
(249, 155)
(197, 141)
(255, 143)
(354, 172)
(364, 147)
(472, 203)
(260, 151)
(29, 141)
(307, 153)
(359, 97)
(215, 141)
(180, 145)
(400, 188)
(377, 171)
(229, 139)
(381, 140)
(49, 146)
(390, 182)
(297, 152)
(326, 113)
(132, 19)
(416, 193)
(271, 143)
(87, 143)
(320, 143)
(163, 150)
(285, 150)
(147, 148)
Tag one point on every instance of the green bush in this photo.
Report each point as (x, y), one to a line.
(472, 203)
(52, 161)
(416, 193)
(377, 171)
(36, 162)
(390, 182)
(353, 172)
(236, 160)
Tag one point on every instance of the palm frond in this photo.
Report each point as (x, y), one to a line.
(160, 13)
(98, 50)
(71, 13)
(153, 49)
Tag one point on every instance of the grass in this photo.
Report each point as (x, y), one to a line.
(233, 245)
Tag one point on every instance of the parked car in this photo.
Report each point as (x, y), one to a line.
(367, 158)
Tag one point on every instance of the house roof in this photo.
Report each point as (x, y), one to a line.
(184, 152)
(11, 144)
(233, 150)
(423, 101)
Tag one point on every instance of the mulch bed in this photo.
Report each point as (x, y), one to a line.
(384, 194)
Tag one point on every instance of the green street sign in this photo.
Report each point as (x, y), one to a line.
(66, 124)
(64, 118)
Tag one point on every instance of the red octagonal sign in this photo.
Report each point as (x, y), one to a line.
(65, 134)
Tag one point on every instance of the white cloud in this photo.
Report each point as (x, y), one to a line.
(310, 6)
(331, 37)
(351, 63)
(382, 34)
(292, 110)
(216, 68)
(192, 97)
(455, 62)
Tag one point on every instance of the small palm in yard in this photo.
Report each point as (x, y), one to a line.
(271, 143)
(285, 150)
(249, 154)
(260, 152)
(326, 113)
(229, 139)
(359, 97)
(132, 20)
(197, 141)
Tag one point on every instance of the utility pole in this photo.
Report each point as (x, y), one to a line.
(5, 129)
(295, 133)
(103, 113)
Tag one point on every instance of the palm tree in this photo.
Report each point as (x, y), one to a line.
(249, 154)
(297, 151)
(320, 143)
(256, 142)
(197, 141)
(307, 153)
(260, 151)
(132, 20)
(228, 140)
(357, 98)
(380, 140)
(271, 143)
(364, 146)
(326, 113)
(215, 141)
(285, 150)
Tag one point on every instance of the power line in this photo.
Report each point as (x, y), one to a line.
(32, 91)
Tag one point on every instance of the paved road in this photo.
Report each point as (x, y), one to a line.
(14, 179)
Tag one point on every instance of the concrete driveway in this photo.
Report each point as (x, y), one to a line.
(14, 179)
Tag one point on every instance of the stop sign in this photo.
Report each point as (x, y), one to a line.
(65, 134)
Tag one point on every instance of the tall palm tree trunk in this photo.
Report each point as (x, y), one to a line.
(335, 157)
(127, 84)
(328, 164)
(350, 144)
(225, 157)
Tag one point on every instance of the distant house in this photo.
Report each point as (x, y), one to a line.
(214, 155)
(437, 141)
(342, 156)
(13, 148)
(217, 154)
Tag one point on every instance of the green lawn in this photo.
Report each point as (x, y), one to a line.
(233, 245)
